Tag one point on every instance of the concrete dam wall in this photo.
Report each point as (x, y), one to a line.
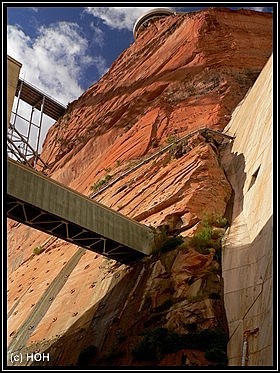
(247, 247)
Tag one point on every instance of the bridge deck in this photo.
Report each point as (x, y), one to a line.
(33, 96)
(43, 203)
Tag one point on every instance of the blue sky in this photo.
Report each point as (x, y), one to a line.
(65, 49)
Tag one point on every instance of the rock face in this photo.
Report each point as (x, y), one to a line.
(184, 72)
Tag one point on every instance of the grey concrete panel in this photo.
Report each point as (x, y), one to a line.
(34, 188)
(247, 245)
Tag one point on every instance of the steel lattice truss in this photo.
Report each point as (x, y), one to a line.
(68, 231)
(19, 137)
(18, 147)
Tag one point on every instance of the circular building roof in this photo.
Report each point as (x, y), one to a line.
(153, 13)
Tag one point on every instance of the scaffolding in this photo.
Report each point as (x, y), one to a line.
(21, 128)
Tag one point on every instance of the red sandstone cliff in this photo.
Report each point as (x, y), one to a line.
(183, 72)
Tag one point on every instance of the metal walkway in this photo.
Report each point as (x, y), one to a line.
(20, 129)
(39, 100)
(44, 204)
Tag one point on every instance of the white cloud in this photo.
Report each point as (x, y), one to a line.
(100, 65)
(258, 8)
(98, 35)
(255, 8)
(55, 60)
(117, 17)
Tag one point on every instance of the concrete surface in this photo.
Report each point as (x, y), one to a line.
(247, 246)
(13, 68)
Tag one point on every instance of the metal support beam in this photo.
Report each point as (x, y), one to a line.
(39, 101)
(42, 203)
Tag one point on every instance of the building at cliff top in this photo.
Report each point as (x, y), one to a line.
(143, 21)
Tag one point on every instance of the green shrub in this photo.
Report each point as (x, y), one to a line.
(218, 254)
(156, 344)
(217, 233)
(164, 306)
(160, 341)
(38, 250)
(101, 182)
(150, 346)
(213, 220)
(215, 270)
(171, 243)
(207, 238)
(215, 244)
(217, 355)
(87, 354)
(201, 239)
(170, 139)
(214, 296)
(206, 220)
(220, 222)
(215, 337)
